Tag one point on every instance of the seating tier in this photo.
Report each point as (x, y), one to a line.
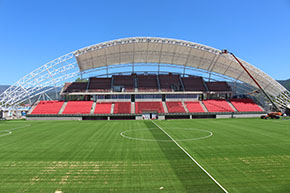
(143, 107)
(47, 107)
(221, 86)
(217, 106)
(194, 107)
(193, 84)
(147, 83)
(128, 82)
(103, 108)
(175, 107)
(100, 84)
(75, 87)
(78, 107)
(122, 108)
(169, 83)
(245, 105)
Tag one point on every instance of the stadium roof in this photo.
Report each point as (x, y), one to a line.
(172, 51)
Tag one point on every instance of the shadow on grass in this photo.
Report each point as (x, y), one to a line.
(189, 174)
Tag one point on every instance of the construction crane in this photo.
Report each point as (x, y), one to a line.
(277, 111)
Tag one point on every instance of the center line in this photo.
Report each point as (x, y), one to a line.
(191, 158)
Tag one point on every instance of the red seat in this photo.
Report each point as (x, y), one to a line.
(245, 105)
(122, 108)
(147, 83)
(103, 108)
(217, 106)
(126, 81)
(142, 107)
(75, 87)
(193, 83)
(169, 82)
(175, 107)
(218, 86)
(47, 107)
(78, 107)
(194, 107)
(99, 84)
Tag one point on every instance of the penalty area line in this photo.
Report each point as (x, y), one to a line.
(191, 157)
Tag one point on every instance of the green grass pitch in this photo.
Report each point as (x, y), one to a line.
(243, 155)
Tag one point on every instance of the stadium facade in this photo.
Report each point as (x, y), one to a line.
(140, 54)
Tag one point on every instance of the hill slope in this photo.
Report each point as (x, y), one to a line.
(285, 83)
(3, 88)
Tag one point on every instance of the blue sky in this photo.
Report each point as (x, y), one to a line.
(35, 32)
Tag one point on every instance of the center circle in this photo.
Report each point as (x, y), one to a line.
(146, 134)
(5, 132)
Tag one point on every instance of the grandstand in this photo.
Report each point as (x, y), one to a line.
(48, 107)
(147, 83)
(99, 84)
(175, 107)
(135, 95)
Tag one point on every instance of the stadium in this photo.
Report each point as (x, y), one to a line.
(137, 78)
(186, 119)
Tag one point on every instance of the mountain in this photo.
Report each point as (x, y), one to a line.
(3, 88)
(285, 83)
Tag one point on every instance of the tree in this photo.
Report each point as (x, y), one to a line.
(81, 80)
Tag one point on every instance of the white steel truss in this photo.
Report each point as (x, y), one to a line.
(41, 80)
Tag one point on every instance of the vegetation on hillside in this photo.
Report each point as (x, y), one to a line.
(285, 83)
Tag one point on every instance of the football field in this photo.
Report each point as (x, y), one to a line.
(202, 155)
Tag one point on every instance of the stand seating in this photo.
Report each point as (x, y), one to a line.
(169, 83)
(217, 106)
(103, 108)
(99, 84)
(47, 107)
(175, 107)
(245, 105)
(147, 83)
(143, 107)
(194, 106)
(75, 87)
(78, 107)
(193, 83)
(218, 86)
(122, 108)
(127, 82)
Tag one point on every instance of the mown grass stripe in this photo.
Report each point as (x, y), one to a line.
(191, 157)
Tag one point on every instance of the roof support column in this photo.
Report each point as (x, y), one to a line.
(186, 61)
(133, 65)
(159, 58)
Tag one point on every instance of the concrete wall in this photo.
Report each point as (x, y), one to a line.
(139, 117)
(239, 116)
(114, 100)
(54, 118)
(161, 117)
(223, 116)
(148, 100)
(248, 115)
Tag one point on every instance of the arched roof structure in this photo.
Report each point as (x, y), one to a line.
(140, 50)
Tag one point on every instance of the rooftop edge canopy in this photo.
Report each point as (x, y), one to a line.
(172, 51)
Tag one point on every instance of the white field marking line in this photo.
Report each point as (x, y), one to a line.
(191, 158)
(169, 140)
(8, 132)
(8, 121)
